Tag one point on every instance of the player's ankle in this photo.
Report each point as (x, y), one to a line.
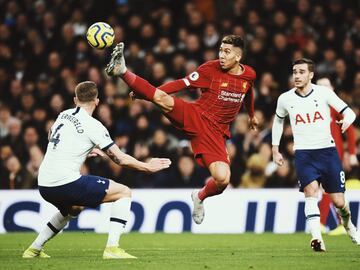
(128, 77)
(123, 71)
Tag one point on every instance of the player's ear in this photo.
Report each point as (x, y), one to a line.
(311, 75)
(75, 101)
(97, 101)
(238, 55)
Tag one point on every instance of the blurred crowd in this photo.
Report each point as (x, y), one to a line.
(44, 54)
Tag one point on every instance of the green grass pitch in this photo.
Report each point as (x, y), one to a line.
(183, 251)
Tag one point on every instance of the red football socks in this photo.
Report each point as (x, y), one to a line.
(140, 86)
(210, 189)
(324, 206)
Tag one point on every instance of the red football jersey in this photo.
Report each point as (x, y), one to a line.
(337, 135)
(222, 93)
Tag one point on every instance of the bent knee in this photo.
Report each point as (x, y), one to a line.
(75, 210)
(127, 192)
(312, 189)
(222, 179)
(338, 201)
(221, 175)
(123, 192)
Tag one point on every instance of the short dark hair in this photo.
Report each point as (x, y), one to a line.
(86, 91)
(310, 63)
(235, 40)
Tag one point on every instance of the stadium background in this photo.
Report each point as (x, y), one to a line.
(44, 54)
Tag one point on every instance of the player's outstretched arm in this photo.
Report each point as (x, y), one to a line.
(169, 88)
(173, 86)
(122, 159)
(249, 102)
(249, 105)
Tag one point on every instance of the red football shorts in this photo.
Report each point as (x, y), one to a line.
(207, 142)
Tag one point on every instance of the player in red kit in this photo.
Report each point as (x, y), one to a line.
(225, 85)
(325, 203)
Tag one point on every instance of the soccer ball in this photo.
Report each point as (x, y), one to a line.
(100, 35)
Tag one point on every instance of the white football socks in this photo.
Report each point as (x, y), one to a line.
(55, 225)
(312, 214)
(120, 212)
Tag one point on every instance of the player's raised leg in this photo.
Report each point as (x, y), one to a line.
(120, 196)
(220, 178)
(312, 214)
(52, 228)
(140, 86)
(343, 209)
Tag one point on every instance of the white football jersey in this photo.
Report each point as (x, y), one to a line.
(73, 135)
(310, 116)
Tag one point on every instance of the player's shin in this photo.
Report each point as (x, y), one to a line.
(140, 86)
(312, 214)
(345, 216)
(210, 189)
(120, 212)
(324, 206)
(53, 227)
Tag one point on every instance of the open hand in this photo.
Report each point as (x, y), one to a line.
(158, 164)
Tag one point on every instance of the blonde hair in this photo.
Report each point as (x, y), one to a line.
(86, 91)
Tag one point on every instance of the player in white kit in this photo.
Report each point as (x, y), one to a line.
(316, 158)
(74, 135)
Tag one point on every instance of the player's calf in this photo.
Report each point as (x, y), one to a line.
(345, 216)
(120, 195)
(312, 214)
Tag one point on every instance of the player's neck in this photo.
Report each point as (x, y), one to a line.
(236, 70)
(303, 91)
(88, 108)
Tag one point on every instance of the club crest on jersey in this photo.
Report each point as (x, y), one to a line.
(194, 76)
(224, 84)
(244, 85)
(308, 118)
(106, 134)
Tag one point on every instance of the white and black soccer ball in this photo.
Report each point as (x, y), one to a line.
(100, 35)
